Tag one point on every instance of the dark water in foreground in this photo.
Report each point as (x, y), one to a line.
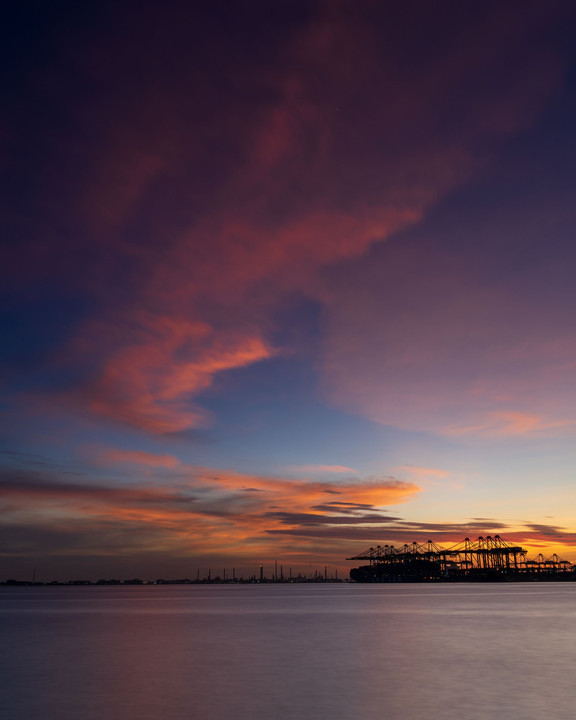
(281, 652)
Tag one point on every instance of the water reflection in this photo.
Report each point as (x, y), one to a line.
(280, 652)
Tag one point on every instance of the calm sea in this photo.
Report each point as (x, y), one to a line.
(283, 652)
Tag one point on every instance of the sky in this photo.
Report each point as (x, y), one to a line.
(282, 281)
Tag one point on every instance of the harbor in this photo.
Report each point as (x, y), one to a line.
(486, 559)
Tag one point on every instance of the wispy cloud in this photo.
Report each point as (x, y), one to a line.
(139, 457)
(338, 469)
(213, 210)
(513, 424)
(197, 509)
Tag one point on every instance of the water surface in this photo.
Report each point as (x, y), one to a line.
(282, 652)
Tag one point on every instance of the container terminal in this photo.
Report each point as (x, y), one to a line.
(486, 559)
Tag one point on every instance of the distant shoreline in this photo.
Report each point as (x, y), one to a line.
(137, 581)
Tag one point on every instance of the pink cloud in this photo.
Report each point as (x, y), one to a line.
(150, 374)
(511, 424)
(209, 209)
(323, 469)
(138, 457)
(420, 339)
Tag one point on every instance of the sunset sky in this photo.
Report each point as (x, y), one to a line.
(283, 280)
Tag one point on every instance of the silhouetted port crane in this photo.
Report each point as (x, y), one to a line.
(489, 558)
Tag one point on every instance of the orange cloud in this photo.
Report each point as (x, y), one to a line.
(419, 471)
(323, 468)
(511, 424)
(202, 509)
(138, 457)
(303, 494)
(427, 477)
(243, 518)
(160, 364)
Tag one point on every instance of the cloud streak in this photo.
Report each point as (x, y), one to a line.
(208, 210)
(139, 457)
(497, 363)
(337, 469)
(200, 509)
(205, 511)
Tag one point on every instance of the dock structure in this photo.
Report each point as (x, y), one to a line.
(484, 559)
